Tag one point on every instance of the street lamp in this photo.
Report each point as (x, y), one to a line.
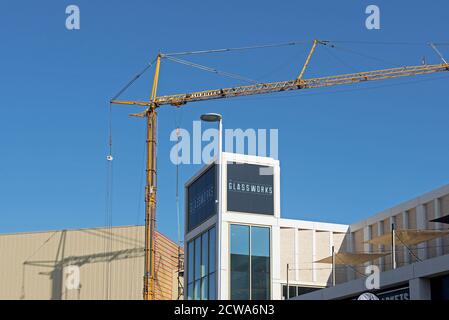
(211, 117)
(215, 117)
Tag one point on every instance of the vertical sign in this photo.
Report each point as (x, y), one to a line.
(201, 198)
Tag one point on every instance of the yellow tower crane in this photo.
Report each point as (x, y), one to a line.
(260, 88)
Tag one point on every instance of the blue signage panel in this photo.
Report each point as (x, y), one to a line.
(250, 188)
(201, 198)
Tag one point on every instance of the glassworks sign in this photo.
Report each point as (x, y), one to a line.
(250, 188)
(201, 195)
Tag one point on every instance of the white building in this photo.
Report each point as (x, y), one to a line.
(239, 247)
(244, 231)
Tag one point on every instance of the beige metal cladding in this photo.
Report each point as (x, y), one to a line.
(413, 214)
(310, 245)
(44, 265)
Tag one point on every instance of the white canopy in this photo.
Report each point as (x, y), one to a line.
(347, 258)
(409, 237)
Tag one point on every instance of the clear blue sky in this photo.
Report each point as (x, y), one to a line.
(345, 153)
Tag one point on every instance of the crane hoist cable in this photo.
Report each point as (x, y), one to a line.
(294, 43)
(136, 235)
(212, 70)
(178, 218)
(389, 43)
(134, 79)
(328, 51)
(364, 55)
(440, 55)
(280, 66)
(178, 210)
(108, 208)
(273, 45)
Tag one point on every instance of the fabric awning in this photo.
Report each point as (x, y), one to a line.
(444, 219)
(408, 237)
(347, 258)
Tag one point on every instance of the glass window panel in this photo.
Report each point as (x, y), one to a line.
(239, 239)
(197, 257)
(240, 263)
(212, 248)
(212, 287)
(196, 292)
(190, 291)
(284, 292)
(304, 290)
(190, 262)
(204, 254)
(260, 263)
(240, 277)
(204, 288)
(260, 278)
(260, 241)
(292, 291)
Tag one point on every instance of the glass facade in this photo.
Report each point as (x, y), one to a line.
(250, 263)
(201, 266)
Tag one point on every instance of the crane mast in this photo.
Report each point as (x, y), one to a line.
(150, 192)
(260, 88)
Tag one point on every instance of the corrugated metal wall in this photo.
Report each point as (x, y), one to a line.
(40, 265)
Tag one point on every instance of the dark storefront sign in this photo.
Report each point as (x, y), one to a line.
(402, 293)
(202, 196)
(395, 294)
(250, 188)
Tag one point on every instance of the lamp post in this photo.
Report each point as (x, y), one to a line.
(215, 117)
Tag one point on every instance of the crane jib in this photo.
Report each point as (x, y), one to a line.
(262, 88)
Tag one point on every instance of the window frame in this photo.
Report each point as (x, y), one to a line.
(250, 252)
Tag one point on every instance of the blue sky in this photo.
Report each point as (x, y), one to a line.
(345, 153)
